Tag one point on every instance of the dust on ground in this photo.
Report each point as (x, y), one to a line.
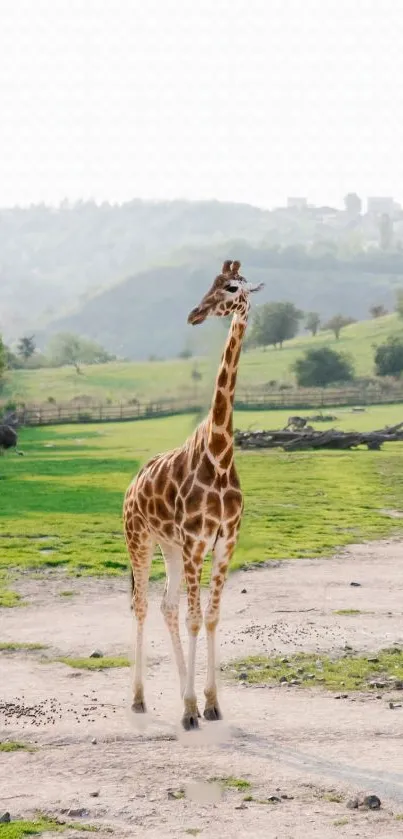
(304, 752)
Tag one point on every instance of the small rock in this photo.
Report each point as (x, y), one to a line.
(371, 802)
(94, 741)
(244, 591)
(79, 813)
(283, 679)
(347, 647)
(274, 799)
(295, 682)
(96, 654)
(94, 794)
(287, 797)
(357, 585)
(399, 684)
(394, 705)
(373, 659)
(242, 677)
(241, 807)
(353, 803)
(5, 818)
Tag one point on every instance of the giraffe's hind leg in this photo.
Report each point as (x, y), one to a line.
(141, 551)
(170, 605)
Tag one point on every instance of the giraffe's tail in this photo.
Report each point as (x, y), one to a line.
(132, 586)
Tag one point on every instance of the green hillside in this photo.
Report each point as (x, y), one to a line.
(172, 378)
(146, 314)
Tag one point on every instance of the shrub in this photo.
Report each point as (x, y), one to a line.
(322, 366)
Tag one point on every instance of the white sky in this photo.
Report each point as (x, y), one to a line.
(242, 100)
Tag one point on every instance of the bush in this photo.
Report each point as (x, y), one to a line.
(322, 366)
(389, 357)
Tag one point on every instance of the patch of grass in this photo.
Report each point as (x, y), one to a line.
(15, 746)
(66, 593)
(17, 646)
(43, 824)
(333, 797)
(8, 598)
(230, 782)
(347, 673)
(341, 822)
(192, 831)
(20, 829)
(399, 817)
(172, 378)
(62, 507)
(347, 612)
(95, 663)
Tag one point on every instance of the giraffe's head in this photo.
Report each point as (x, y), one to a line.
(228, 295)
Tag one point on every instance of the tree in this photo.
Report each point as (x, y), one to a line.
(26, 347)
(378, 310)
(312, 323)
(337, 323)
(389, 357)
(2, 359)
(353, 204)
(275, 323)
(321, 366)
(399, 302)
(12, 361)
(67, 348)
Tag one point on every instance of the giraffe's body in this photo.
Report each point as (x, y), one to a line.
(189, 502)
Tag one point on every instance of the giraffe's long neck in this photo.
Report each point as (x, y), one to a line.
(220, 428)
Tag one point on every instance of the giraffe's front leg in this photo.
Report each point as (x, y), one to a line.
(223, 551)
(193, 556)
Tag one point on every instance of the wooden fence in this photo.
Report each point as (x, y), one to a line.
(249, 400)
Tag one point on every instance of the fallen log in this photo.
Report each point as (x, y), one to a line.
(310, 438)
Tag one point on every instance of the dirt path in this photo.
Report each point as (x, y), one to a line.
(288, 741)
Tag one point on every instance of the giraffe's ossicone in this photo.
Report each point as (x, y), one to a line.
(189, 501)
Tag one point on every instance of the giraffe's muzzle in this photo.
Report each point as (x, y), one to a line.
(197, 315)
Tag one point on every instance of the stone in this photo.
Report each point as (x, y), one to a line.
(94, 794)
(353, 803)
(96, 654)
(243, 677)
(79, 812)
(371, 802)
(5, 818)
(244, 591)
(94, 741)
(357, 585)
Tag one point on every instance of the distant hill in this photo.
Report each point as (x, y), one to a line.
(53, 259)
(172, 378)
(128, 274)
(146, 314)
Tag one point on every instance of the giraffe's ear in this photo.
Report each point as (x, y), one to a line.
(226, 268)
(235, 267)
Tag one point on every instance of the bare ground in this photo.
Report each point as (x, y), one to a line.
(303, 744)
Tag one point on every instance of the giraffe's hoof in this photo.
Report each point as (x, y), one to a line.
(139, 706)
(190, 721)
(212, 712)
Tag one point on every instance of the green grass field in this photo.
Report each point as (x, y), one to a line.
(172, 378)
(60, 505)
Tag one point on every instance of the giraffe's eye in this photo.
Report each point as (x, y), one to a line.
(232, 288)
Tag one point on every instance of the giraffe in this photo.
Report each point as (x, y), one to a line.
(189, 501)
